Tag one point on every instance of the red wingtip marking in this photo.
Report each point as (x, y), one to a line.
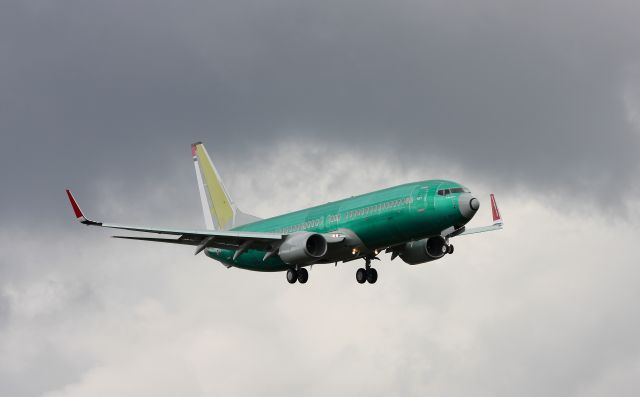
(194, 151)
(74, 205)
(494, 209)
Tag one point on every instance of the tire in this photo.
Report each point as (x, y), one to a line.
(451, 249)
(292, 276)
(372, 276)
(361, 276)
(303, 275)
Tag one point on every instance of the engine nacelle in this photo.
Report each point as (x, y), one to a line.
(303, 248)
(425, 250)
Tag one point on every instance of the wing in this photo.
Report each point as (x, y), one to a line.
(497, 221)
(236, 240)
(481, 229)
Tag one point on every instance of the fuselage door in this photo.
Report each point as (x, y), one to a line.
(422, 200)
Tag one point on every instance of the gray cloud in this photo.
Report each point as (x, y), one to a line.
(537, 101)
(527, 94)
(503, 315)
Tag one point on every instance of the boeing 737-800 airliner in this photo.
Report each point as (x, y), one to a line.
(415, 221)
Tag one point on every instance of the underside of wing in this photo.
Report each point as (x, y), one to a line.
(233, 241)
(481, 229)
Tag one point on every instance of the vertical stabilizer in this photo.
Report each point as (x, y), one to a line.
(217, 205)
(220, 212)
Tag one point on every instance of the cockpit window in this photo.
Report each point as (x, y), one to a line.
(446, 192)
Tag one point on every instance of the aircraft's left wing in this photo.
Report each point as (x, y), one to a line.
(497, 221)
(236, 240)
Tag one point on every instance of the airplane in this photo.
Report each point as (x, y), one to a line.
(414, 221)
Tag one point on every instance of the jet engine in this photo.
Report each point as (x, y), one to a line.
(303, 248)
(425, 250)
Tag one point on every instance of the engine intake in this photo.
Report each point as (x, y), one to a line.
(303, 248)
(425, 250)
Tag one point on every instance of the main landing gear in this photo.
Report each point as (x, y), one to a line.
(367, 273)
(299, 274)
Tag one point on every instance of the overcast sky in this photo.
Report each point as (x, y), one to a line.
(300, 103)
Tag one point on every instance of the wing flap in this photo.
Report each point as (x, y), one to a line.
(203, 233)
(159, 240)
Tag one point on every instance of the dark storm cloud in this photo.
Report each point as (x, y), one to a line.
(529, 93)
(106, 96)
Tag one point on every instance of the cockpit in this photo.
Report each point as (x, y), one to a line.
(446, 192)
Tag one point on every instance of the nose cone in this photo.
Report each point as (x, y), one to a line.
(468, 205)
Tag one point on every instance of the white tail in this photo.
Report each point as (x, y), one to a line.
(220, 212)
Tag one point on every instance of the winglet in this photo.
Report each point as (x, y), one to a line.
(497, 219)
(78, 212)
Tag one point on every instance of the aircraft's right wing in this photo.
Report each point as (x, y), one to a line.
(497, 221)
(235, 240)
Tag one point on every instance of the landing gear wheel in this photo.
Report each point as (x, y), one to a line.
(450, 249)
(292, 276)
(361, 276)
(372, 275)
(303, 275)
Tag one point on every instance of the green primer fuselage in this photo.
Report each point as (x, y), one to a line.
(380, 219)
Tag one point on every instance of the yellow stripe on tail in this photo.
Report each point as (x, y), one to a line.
(217, 205)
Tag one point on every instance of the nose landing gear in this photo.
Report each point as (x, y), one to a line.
(367, 273)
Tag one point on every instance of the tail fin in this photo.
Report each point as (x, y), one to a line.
(220, 212)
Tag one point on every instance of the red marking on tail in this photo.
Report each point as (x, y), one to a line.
(494, 210)
(74, 205)
(194, 151)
